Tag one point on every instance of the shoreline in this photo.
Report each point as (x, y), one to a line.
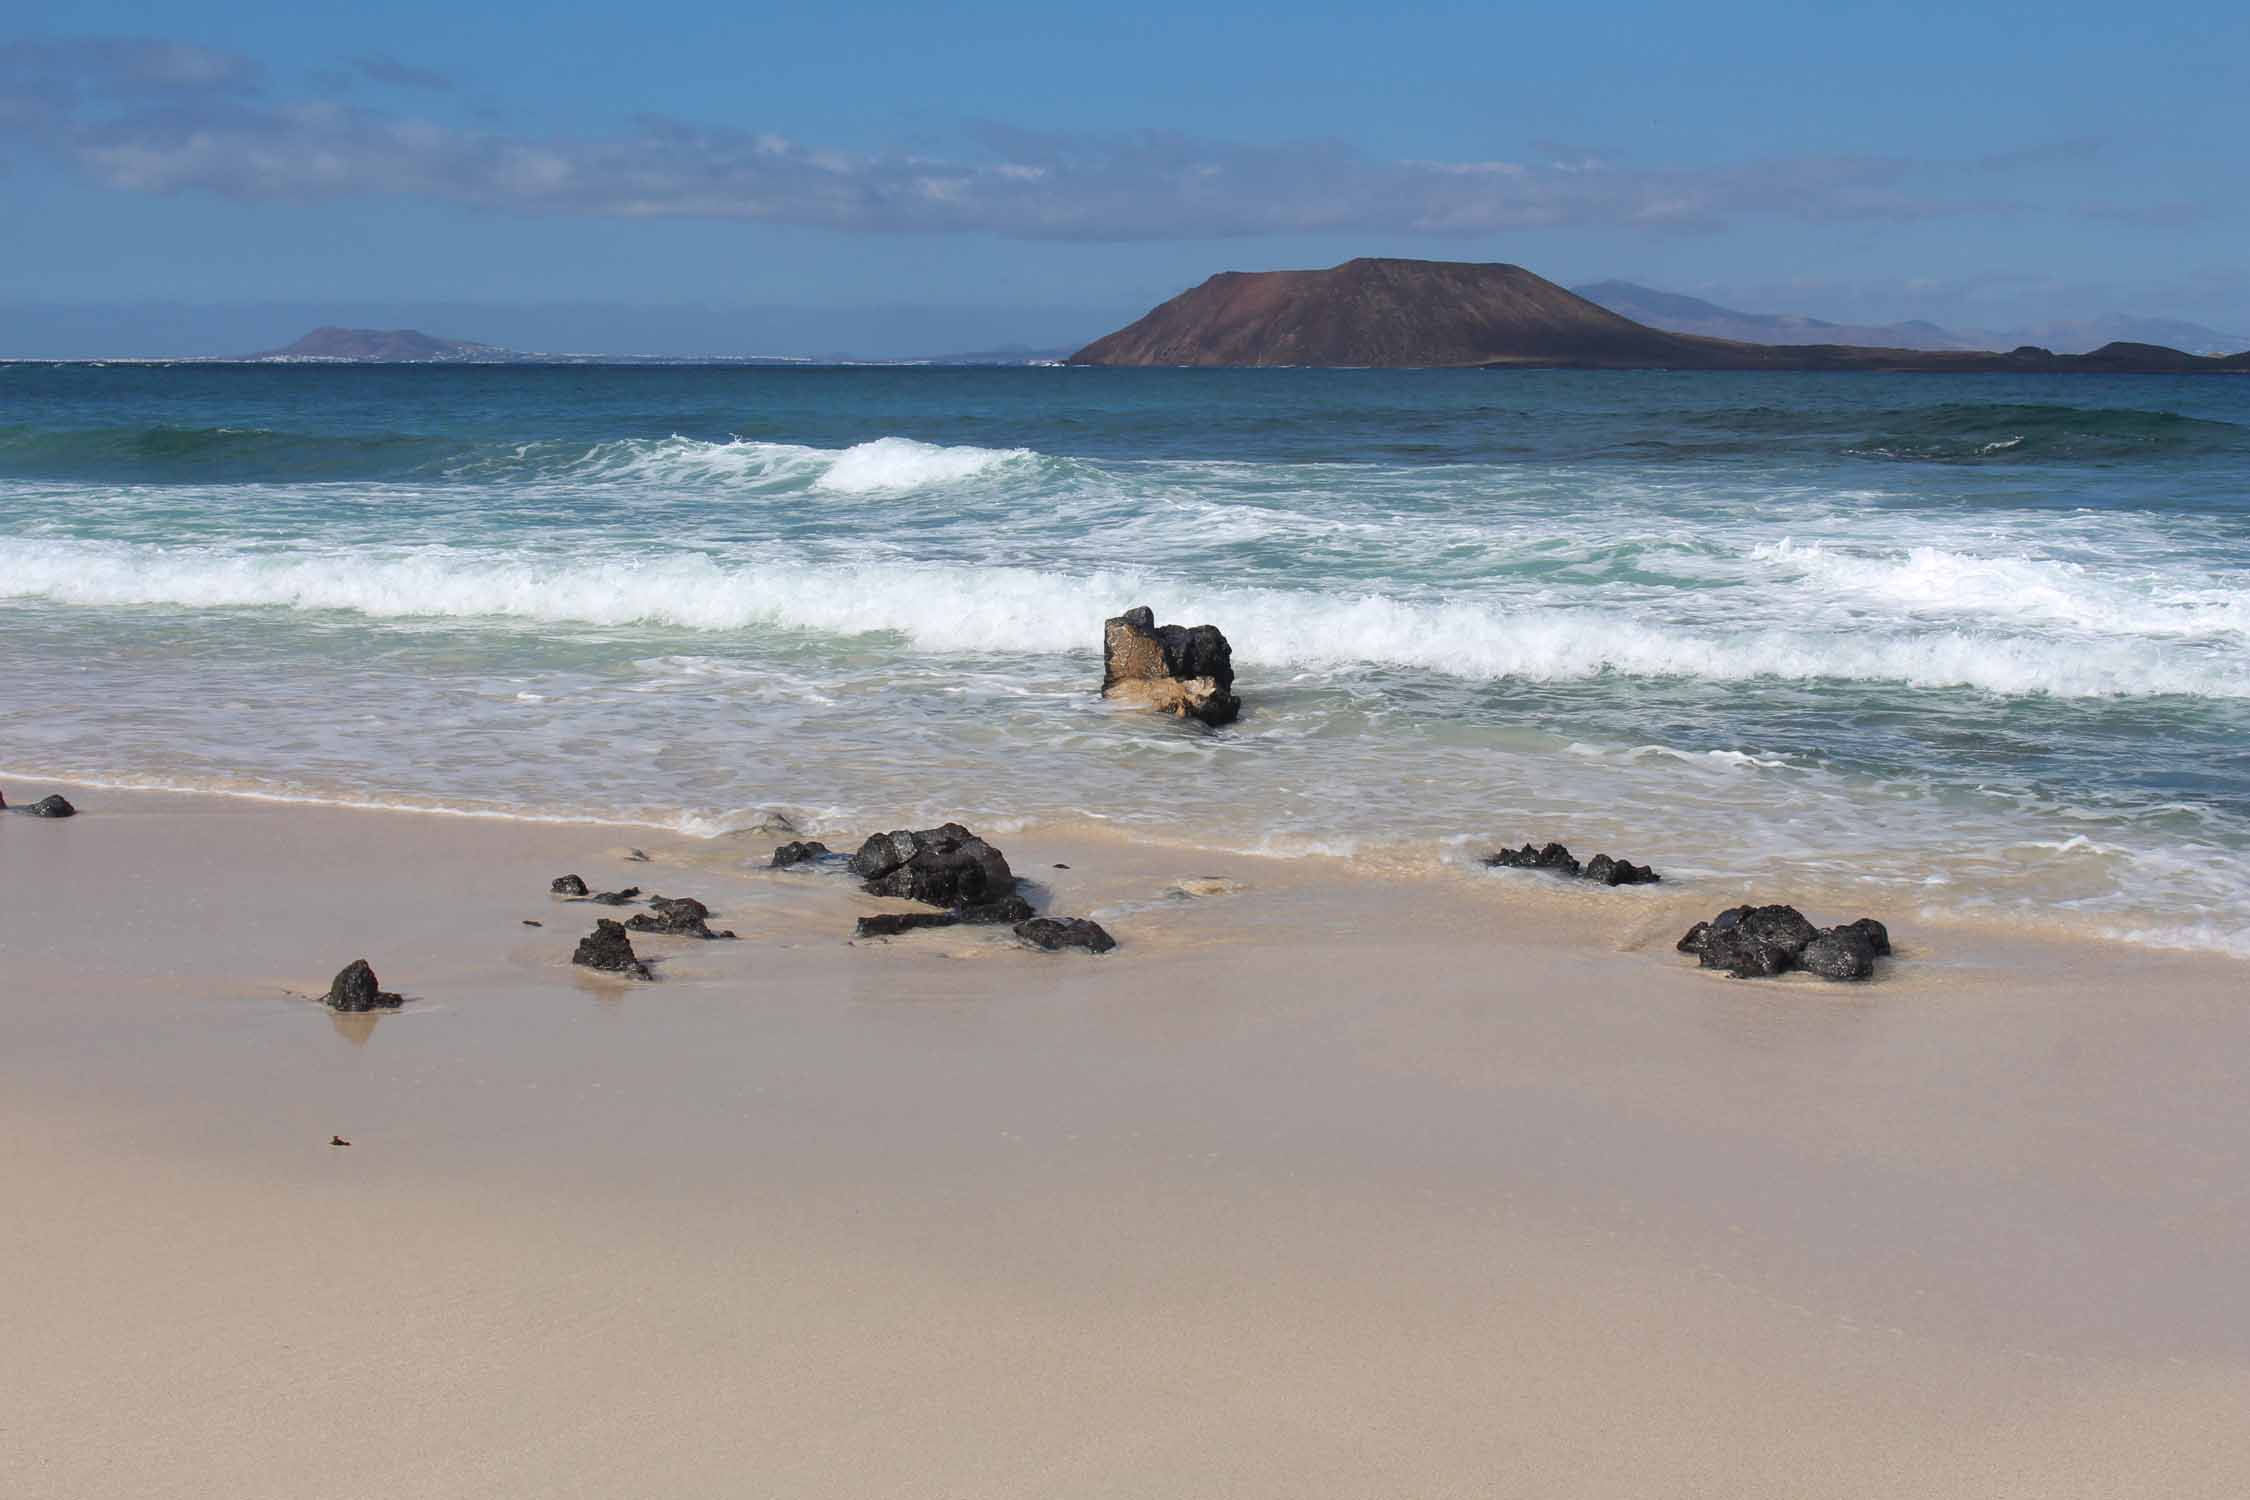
(1449, 858)
(1411, 1181)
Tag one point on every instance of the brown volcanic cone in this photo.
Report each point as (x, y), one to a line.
(1389, 312)
(1424, 313)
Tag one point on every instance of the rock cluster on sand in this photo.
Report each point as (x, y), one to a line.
(1178, 669)
(1557, 860)
(355, 989)
(1759, 941)
(608, 949)
(951, 868)
(681, 916)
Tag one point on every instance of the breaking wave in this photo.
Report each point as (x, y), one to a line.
(254, 455)
(939, 607)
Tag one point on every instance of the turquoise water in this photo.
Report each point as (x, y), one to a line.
(1981, 639)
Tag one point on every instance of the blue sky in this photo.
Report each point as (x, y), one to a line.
(1026, 170)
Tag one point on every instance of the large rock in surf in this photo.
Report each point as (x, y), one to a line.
(1178, 669)
(944, 866)
(608, 949)
(355, 989)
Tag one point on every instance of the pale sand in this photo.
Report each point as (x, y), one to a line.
(1449, 1186)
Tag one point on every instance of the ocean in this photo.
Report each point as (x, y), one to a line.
(1967, 644)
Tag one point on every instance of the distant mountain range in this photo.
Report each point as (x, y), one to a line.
(388, 346)
(411, 346)
(1434, 314)
(1676, 313)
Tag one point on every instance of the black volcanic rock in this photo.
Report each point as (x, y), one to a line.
(1840, 953)
(1555, 859)
(355, 989)
(682, 916)
(892, 923)
(608, 949)
(1425, 313)
(56, 806)
(567, 885)
(944, 866)
(1053, 934)
(1760, 941)
(801, 853)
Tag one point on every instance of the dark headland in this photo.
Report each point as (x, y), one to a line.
(1429, 313)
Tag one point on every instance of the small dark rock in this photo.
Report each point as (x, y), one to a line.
(1692, 942)
(1062, 867)
(687, 904)
(567, 885)
(1840, 953)
(529, 923)
(892, 923)
(625, 897)
(1603, 870)
(354, 989)
(1053, 934)
(52, 807)
(337, 1140)
(1878, 936)
(799, 853)
(1008, 910)
(609, 949)
(1743, 954)
(1553, 857)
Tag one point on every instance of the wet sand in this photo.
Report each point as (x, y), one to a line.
(1444, 1184)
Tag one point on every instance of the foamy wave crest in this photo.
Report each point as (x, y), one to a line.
(1932, 581)
(895, 463)
(888, 465)
(966, 608)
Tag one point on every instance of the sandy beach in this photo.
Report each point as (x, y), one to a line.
(1424, 1184)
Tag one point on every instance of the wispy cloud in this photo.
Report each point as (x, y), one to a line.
(161, 117)
(381, 67)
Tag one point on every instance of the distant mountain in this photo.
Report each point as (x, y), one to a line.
(2078, 335)
(1681, 314)
(1436, 314)
(389, 346)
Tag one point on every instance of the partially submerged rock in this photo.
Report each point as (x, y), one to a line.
(610, 950)
(1178, 669)
(944, 866)
(625, 897)
(1053, 934)
(52, 807)
(892, 923)
(681, 916)
(1558, 860)
(799, 853)
(355, 989)
(567, 885)
(1760, 941)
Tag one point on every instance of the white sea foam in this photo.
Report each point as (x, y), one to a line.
(969, 608)
(896, 463)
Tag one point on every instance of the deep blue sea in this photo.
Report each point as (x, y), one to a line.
(1976, 642)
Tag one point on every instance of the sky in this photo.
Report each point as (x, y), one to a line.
(896, 179)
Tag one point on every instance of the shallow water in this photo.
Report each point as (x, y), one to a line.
(1981, 639)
